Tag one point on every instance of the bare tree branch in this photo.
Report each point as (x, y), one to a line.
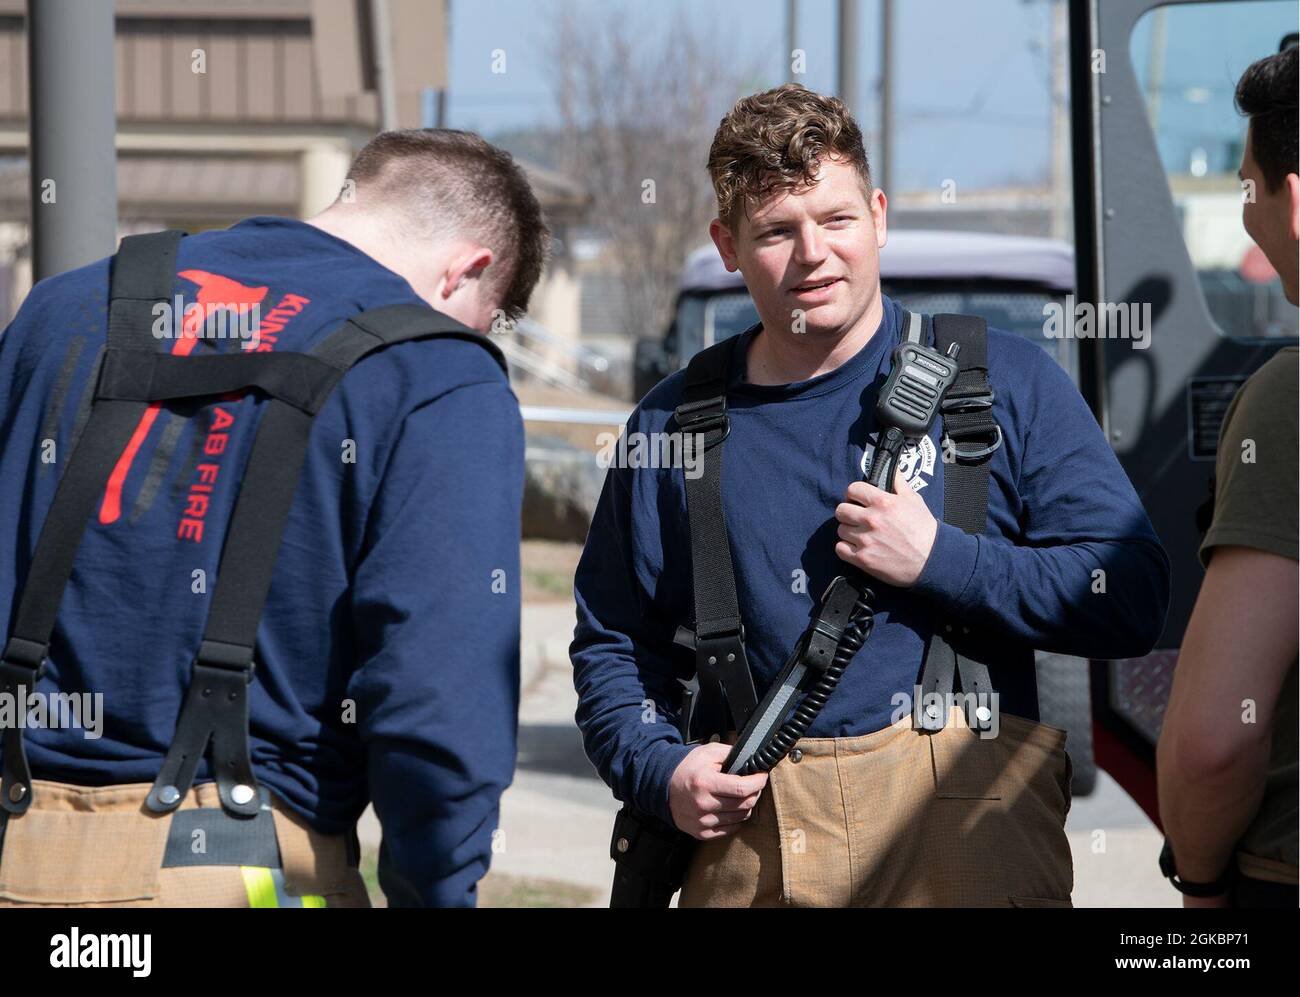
(638, 111)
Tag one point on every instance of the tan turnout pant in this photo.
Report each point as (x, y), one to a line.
(89, 846)
(898, 818)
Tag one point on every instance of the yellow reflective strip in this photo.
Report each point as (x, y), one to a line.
(260, 886)
(312, 900)
(282, 897)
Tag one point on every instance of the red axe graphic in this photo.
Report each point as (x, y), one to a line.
(215, 293)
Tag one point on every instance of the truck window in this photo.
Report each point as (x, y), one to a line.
(1199, 138)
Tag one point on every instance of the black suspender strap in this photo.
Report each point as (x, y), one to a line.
(299, 379)
(970, 437)
(651, 857)
(970, 433)
(718, 637)
(216, 705)
(142, 275)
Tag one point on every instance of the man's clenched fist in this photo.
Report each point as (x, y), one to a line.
(887, 534)
(706, 802)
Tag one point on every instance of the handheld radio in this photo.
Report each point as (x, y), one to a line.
(908, 403)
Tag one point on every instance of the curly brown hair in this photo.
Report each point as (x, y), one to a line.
(775, 140)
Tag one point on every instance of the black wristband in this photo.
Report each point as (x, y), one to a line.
(1214, 889)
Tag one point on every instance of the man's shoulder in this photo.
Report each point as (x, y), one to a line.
(55, 311)
(79, 289)
(441, 393)
(1276, 383)
(1021, 368)
(1255, 489)
(1016, 350)
(1268, 397)
(659, 403)
(1264, 408)
(414, 373)
(657, 407)
(453, 361)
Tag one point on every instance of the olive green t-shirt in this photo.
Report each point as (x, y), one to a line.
(1255, 505)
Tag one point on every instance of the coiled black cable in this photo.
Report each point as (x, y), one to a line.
(855, 635)
(856, 631)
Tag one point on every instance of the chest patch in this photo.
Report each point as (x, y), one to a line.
(916, 462)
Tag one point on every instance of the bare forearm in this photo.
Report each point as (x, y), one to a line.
(1205, 810)
(1213, 756)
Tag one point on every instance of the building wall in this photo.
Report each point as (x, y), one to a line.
(222, 113)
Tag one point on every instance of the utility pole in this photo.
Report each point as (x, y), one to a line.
(791, 39)
(440, 115)
(847, 63)
(385, 79)
(1060, 155)
(71, 125)
(885, 162)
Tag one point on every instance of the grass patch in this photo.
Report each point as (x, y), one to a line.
(499, 890)
(548, 569)
(496, 889)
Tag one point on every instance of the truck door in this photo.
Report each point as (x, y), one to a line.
(1156, 145)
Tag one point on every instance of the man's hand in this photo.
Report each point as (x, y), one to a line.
(706, 802)
(887, 534)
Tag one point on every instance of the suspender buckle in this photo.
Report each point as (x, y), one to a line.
(967, 403)
(28, 655)
(707, 416)
(829, 630)
(973, 421)
(21, 667)
(230, 657)
(718, 650)
(950, 442)
(720, 662)
(820, 643)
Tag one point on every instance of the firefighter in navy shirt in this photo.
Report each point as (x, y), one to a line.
(866, 810)
(387, 652)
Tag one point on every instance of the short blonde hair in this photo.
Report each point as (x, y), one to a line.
(446, 181)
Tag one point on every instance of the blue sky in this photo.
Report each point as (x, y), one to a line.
(971, 99)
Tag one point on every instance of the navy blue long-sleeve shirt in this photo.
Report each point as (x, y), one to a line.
(388, 651)
(1068, 561)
